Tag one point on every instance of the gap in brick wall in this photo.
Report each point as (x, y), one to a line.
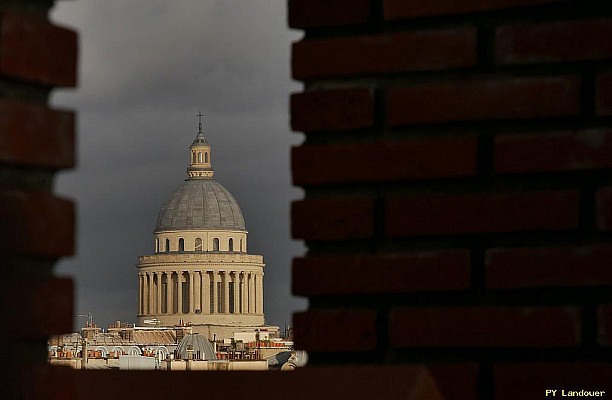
(26, 178)
(14, 90)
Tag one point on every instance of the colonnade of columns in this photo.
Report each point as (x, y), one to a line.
(200, 292)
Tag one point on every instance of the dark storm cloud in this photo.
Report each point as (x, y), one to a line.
(147, 67)
(140, 49)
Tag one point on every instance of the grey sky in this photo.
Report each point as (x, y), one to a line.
(146, 68)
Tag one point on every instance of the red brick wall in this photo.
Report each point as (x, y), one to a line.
(456, 157)
(458, 190)
(36, 227)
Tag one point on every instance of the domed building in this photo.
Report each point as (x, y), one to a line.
(195, 347)
(201, 272)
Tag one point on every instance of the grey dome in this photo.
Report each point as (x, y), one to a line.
(200, 204)
(202, 349)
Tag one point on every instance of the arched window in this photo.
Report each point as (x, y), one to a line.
(181, 244)
(167, 245)
(103, 350)
(157, 245)
(193, 157)
(162, 353)
(198, 244)
(231, 244)
(205, 157)
(200, 157)
(215, 244)
(135, 351)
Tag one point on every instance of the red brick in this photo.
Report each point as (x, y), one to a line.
(35, 381)
(333, 219)
(46, 309)
(369, 274)
(604, 209)
(396, 52)
(603, 100)
(35, 135)
(456, 381)
(556, 151)
(34, 50)
(398, 9)
(530, 380)
(384, 161)
(422, 215)
(558, 41)
(335, 330)
(318, 13)
(549, 267)
(514, 98)
(332, 110)
(399, 382)
(485, 327)
(37, 224)
(604, 323)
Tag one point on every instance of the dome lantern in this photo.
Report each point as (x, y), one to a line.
(200, 165)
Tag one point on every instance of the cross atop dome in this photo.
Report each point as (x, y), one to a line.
(200, 115)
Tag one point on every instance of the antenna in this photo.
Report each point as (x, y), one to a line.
(89, 318)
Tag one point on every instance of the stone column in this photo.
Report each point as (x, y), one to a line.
(144, 293)
(153, 300)
(251, 293)
(159, 292)
(241, 292)
(139, 294)
(256, 292)
(151, 293)
(147, 293)
(168, 293)
(179, 292)
(191, 292)
(206, 293)
(198, 291)
(245, 294)
(226, 280)
(171, 290)
(245, 278)
(260, 293)
(214, 294)
(235, 280)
